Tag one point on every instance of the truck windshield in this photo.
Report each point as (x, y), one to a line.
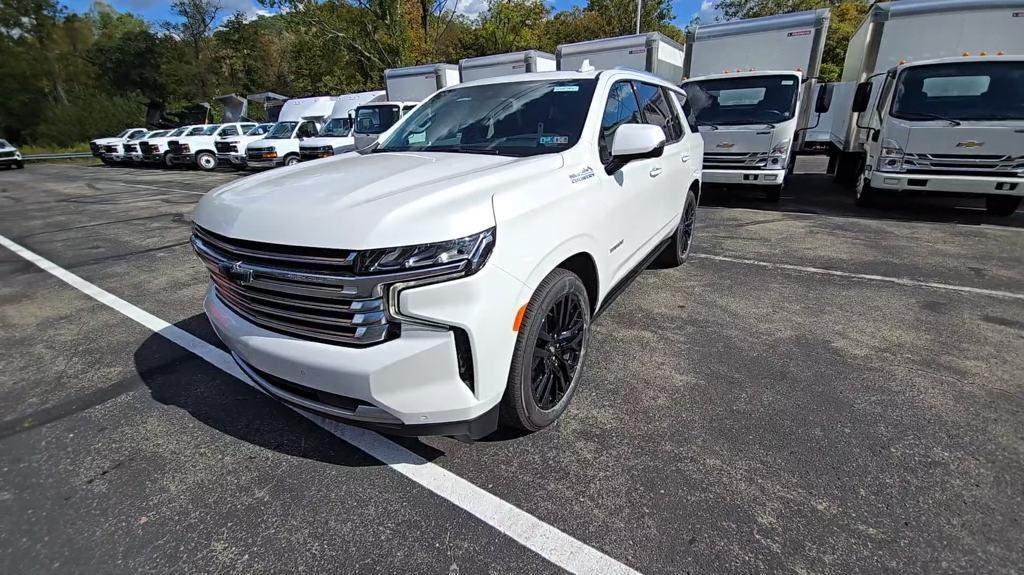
(209, 130)
(375, 119)
(259, 130)
(510, 118)
(4, 144)
(281, 131)
(337, 128)
(195, 131)
(960, 91)
(177, 132)
(137, 135)
(743, 100)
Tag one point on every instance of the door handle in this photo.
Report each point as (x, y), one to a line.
(655, 172)
(686, 158)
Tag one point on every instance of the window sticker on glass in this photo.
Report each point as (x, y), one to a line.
(545, 140)
(787, 82)
(566, 89)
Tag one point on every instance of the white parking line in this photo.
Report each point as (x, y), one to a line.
(547, 541)
(162, 189)
(871, 277)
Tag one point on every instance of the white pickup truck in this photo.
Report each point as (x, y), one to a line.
(199, 149)
(452, 272)
(154, 149)
(103, 148)
(132, 150)
(10, 157)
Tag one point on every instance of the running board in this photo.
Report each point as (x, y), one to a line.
(630, 277)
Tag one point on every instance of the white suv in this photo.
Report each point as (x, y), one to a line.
(451, 274)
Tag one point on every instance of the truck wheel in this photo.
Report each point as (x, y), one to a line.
(206, 161)
(291, 160)
(1002, 205)
(849, 166)
(167, 160)
(774, 193)
(548, 357)
(678, 248)
(866, 195)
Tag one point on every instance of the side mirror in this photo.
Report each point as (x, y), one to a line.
(824, 99)
(862, 97)
(635, 142)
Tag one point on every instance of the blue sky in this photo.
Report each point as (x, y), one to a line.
(158, 10)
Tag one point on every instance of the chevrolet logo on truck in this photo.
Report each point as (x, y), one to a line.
(970, 144)
(725, 145)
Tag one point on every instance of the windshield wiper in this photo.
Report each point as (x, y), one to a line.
(460, 150)
(714, 127)
(951, 121)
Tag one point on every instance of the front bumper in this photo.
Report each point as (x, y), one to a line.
(12, 161)
(986, 185)
(745, 177)
(264, 163)
(116, 158)
(233, 159)
(188, 159)
(409, 385)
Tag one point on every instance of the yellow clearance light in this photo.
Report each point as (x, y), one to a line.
(1000, 53)
(983, 53)
(902, 61)
(966, 54)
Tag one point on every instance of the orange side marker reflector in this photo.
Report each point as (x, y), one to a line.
(519, 318)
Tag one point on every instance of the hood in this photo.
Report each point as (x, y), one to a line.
(366, 201)
(327, 141)
(737, 139)
(107, 141)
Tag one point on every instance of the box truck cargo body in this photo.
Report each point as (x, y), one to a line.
(336, 136)
(939, 111)
(300, 118)
(415, 83)
(506, 64)
(752, 87)
(651, 52)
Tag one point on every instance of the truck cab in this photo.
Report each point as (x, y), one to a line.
(372, 120)
(300, 118)
(951, 125)
(748, 122)
(336, 136)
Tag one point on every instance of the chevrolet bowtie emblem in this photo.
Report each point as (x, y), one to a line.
(726, 145)
(970, 144)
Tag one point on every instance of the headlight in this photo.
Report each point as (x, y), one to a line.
(474, 250)
(890, 158)
(778, 154)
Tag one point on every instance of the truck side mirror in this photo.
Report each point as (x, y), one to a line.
(634, 142)
(862, 97)
(824, 99)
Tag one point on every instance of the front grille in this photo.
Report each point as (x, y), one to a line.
(110, 149)
(963, 164)
(314, 153)
(260, 154)
(6, 154)
(735, 160)
(131, 148)
(149, 149)
(308, 293)
(226, 147)
(177, 147)
(95, 148)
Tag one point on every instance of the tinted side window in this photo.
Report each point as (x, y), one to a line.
(620, 108)
(229, 131)
(691, 118)
(657, 111)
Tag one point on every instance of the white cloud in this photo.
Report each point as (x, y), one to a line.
(708, 14)
(469, 8)
(247, 7)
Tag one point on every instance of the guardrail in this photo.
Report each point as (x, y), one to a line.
(40, 157)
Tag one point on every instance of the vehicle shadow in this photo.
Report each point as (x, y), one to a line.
(819, 194)
(178, 378)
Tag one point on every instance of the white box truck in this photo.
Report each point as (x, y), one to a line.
(937, 101)
(300, 118)
(506, 64)
(406, 87)
(336, 135)
(752, 89)
(651, 52)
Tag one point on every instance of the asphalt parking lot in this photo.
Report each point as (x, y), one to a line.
(821, 389)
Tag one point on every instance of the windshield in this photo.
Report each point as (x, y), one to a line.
(4, 144)
(510, 118)
(961, 91)
(337, 128)
(281, 131)
(159, 134)
(259, 130)
(209, 130)
(195, 131)
(743, 100)
(375, 119)
(138, 135)
(177, 132)
(123, 134)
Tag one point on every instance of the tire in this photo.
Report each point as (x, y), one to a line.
(167, 160)
(865, 194)
(773, 193)
(849, 166)
(1002, 206)
(537, 392)
(106, 162)
(291, 160)
(206, 161)
(678, 248)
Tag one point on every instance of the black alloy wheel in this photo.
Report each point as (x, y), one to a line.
(557, 351)
(678, 249)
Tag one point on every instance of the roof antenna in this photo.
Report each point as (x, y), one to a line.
(585, 66)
